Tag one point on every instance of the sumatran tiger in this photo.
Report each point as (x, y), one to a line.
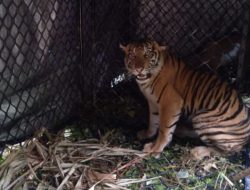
(174, 90)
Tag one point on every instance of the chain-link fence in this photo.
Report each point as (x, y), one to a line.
(210, 34)
(46, 63)
(39, 56)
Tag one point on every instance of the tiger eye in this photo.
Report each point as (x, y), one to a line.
(129, 63)
(151, 54)
(153, 63)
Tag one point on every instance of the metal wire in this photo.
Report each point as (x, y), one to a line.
(207, 34)
(39, 52)
(43, 57)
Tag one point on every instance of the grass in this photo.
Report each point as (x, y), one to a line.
(177, 169)
(1, 160)
(111, 162)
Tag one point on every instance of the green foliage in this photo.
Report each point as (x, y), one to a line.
(174, 160)
(1, 160)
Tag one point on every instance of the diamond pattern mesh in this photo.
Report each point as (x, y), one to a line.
(39, 52)
(205, 33)
(187, 27)
(47, 66)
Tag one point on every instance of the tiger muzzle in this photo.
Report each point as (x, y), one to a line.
(142, 76)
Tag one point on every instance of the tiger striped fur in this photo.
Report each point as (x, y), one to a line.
(173, 89)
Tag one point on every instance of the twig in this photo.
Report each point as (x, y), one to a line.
(33, 172)
(23, 176)
(59, 166)
(227, 179)
(72, 170)
(79, 183)
(136, 160)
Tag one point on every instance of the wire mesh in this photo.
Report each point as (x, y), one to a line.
(39, 51)
(206, 34)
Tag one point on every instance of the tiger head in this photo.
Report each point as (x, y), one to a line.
(143, 59)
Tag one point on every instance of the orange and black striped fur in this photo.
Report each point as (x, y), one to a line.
(174, 90)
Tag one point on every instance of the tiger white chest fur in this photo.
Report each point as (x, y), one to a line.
(154, 119)
(147, 92)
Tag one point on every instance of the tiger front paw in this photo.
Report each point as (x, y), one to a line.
(149, 148)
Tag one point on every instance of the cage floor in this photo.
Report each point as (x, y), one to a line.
(114, 161)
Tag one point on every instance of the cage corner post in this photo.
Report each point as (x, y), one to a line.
(244, 56)
(243, 68)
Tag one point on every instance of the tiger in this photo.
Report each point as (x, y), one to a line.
(174, 90)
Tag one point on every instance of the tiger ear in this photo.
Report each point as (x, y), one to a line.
(160, 48)
(124, 48)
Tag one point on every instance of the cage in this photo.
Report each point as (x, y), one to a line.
(60, 61)
(205, 34)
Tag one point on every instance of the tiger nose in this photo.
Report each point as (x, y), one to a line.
(139, 69)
